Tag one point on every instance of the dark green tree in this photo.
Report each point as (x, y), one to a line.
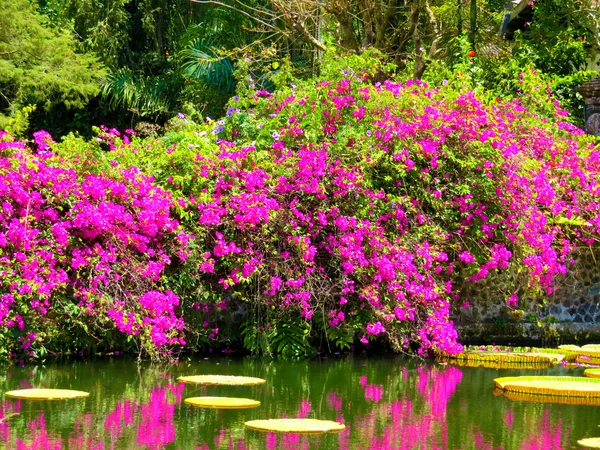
(40, 67)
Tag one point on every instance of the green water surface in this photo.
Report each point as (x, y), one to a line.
(390, 403)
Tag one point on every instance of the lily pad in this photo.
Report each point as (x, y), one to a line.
(557, 386)
(508, 357)
(46, 394)
(536, 398)
(309, 426)
(569, 347)
(221, 380)
(592, 373)
(222, 402)
(592, 347)
(502, 364)
(589, 442)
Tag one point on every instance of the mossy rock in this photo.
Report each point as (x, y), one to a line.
(221, 380)
(46, 394)
(305, 426)
(552, 386)
(222, 402)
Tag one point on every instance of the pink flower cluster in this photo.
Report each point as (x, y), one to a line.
(83, 247)
(360, 207)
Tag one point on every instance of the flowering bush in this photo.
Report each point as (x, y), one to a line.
(345, 210)
(81, 255)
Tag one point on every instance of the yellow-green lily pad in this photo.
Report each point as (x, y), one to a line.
(221, 380)
(537, 398)
(222, 402)
(46, 394)
(569, 347)
(528, 358)
(592, 373)
(558, 386)
(589, 442)
(309, 426)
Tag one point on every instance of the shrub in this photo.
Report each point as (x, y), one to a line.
(333, 213)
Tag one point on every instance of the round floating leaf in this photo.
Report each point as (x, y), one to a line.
(310, 426)
(502, 364)
(582, 359)
(221, 380)
(46, 394)
(592, 347)
(508, 357)
(536, 398)
(589, 442)
(558, 386)
(592, 373)
(569, 347)
(222, 402)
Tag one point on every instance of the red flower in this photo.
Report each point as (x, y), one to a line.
(471, 53)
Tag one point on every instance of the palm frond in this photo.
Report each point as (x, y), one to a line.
(201, 62)
(146, 96)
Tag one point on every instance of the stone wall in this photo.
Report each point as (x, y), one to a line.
(570, 315)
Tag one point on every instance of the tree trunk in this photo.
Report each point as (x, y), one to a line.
(341, 10)
(473, 30)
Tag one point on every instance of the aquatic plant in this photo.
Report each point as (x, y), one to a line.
(589, 442)
(46, 394)
(308, 426)
(500, 357)
(549, 385)
(222, 402)
(221, 380)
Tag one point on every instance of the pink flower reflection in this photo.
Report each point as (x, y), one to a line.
(546, 437)
(303, 409)
(120, 416)
(271, 441)
(373, 392)
(509, 419)
(40, 440)
(157, 427)
(333, 401)
(406, 423)
(437, 387)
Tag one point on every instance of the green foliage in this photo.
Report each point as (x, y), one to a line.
(201, 62)
(145, 96)
(290, 339)
(40, 65)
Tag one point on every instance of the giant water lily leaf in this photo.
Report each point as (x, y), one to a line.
(222, 402)
(536, 398)
(589, 442)
(46, 394)
(569, 347)
(559, 386)
(221, 380)
(309, 426)
(592, 373)
(508, 357)
(592, 347)
(502, 364)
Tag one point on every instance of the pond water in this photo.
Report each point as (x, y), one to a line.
(390, 403)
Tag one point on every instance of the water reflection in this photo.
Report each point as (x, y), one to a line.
(385, 404)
